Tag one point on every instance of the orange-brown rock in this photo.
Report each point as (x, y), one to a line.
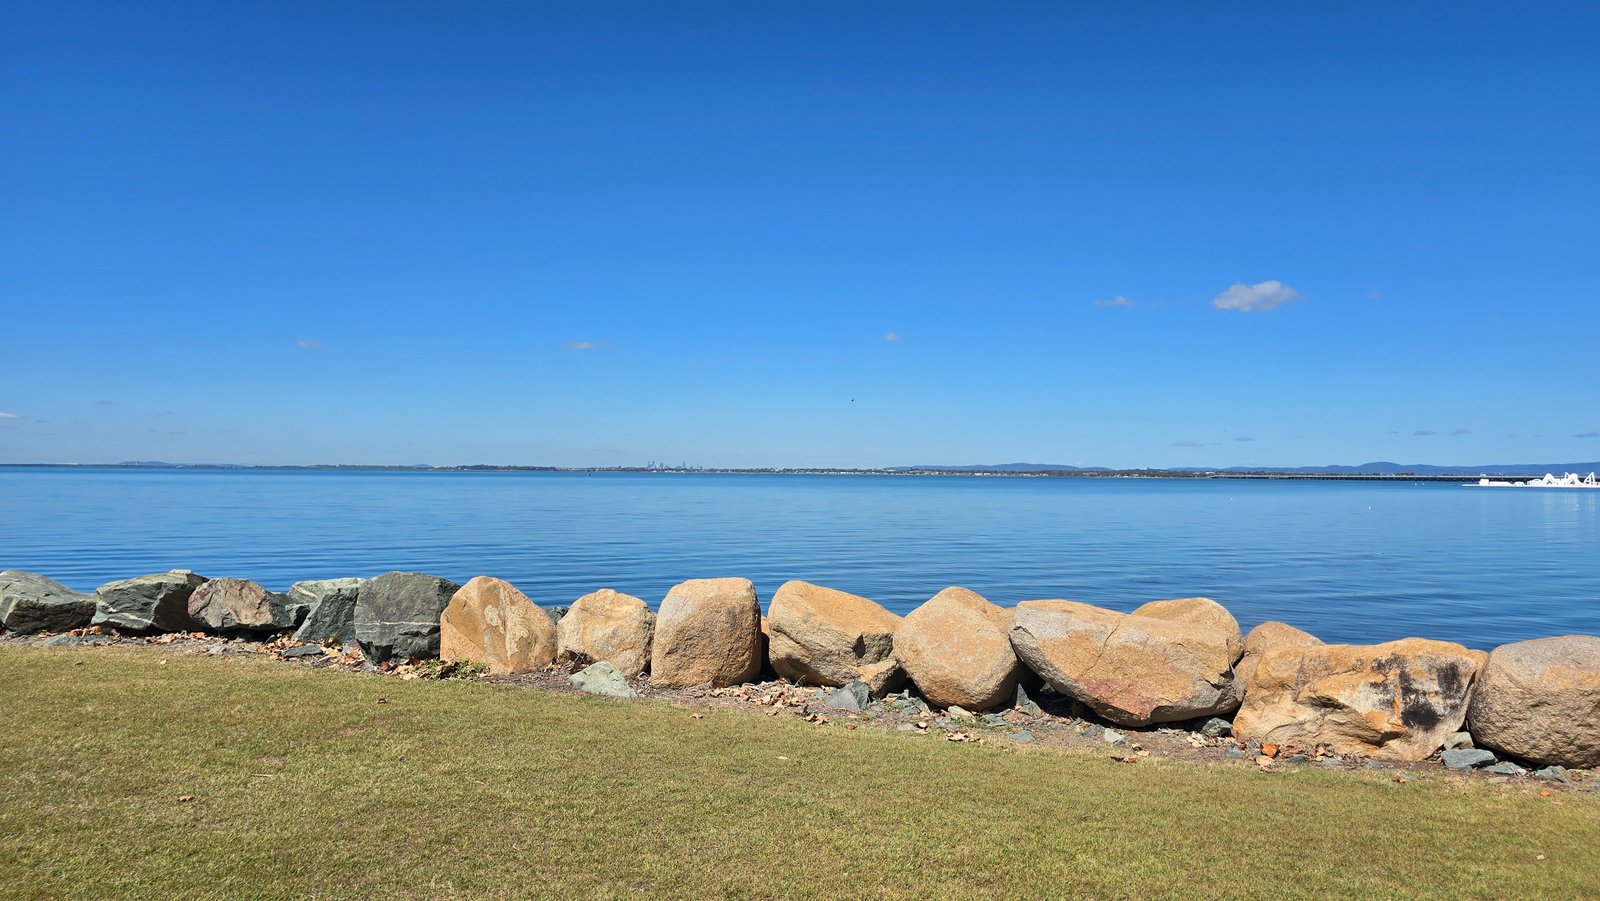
(1392, 701)
(822, 636)
(1540, 700)
(1133, 669)
(607, 625)
(488, 621)
(708, 632)
(1263, 638)
(955, 648)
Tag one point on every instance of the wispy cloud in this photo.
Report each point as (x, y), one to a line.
(1116, 302)
(1423, 433)
(1187, 444)
(1244, 438)
(1587, 435)
(9, 416)
(305, 344)
(1257, 298)
(1459, 432)
(891, 337)
(580, 345)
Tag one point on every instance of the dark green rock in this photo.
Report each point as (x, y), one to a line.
(154, 603)
(397, 615)
(32, 603)
(852, 696)
(330, 608)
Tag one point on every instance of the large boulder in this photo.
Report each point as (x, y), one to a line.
(32, 603)
(1392, 701)
(823, 636)
(1134, 669)
(330, 609)
(708, 632)
(1263, 638)
(240, 605)
(955, 648)
(488, 621)
(397, 615)
(155, 603)
(607, 626)
(1540, 700)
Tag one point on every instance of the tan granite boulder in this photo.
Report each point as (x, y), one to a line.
(822, 636)
(610, 626)
(488, 621)
(708, 632)
(1392, 701)
(1133, 669)
(1263, 638)
(955, 648)
(1540, 700)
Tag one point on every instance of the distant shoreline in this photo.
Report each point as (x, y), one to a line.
(1444, 474)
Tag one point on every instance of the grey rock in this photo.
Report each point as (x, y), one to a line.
(1235, 753)
(1113, 737)
(330, 608)
(154, 603)
(1216, 727)
(1506, 768)
(32, 603)
(994, 719)
(852, 696)
(1458, 740)
(59, 641)
(397, 615)
(945, 723)
(557, 612)
(602, 679)
(1023, 736)
(1466, 758)
(304, 650)
(241, 606)
(1296, 759)
(1553, 773)
(1024, 703)
(1329, 761)
(218, 650)
(955, 710)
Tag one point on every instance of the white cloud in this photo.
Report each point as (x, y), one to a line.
(892, 337)
(1257, 298)
(1187, 444)
(1244, 438)
(1423, 433)
(9, 416)
(1118, 301)
(580, 345)
(303, 344)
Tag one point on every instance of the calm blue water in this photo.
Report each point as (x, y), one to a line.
(1348, 562)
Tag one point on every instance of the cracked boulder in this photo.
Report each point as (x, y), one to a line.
(823, 636)
(155, 603)
(1166, 661)
(955, 648)
(330, 609)
(1540, 700)
(397, 616)
(32, 603)
(488, 621)
(1394, 701)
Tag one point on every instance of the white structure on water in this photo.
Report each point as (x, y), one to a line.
(1567, 480)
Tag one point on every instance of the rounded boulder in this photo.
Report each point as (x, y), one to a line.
(607, 626)
(1540, 700)
(1263, 638)
(489, 622)
(955, 648)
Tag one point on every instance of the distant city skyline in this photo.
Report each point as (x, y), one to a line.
(760, 236)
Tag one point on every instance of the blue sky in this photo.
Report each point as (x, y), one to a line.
(756, 234)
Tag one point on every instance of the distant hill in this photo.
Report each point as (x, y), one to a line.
(1002, 467)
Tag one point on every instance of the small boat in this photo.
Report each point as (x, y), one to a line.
(1567, 480)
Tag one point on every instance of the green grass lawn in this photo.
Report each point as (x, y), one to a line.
(300, 783)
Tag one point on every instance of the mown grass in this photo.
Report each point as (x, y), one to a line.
(301, 784)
